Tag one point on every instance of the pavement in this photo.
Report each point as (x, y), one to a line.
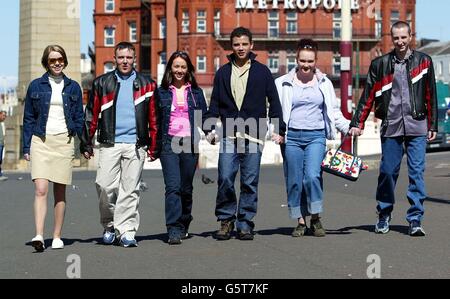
(350, 250)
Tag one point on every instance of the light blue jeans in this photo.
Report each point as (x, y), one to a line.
(303, 155)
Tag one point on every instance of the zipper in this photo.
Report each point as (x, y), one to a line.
(411, 95)
(113, 141)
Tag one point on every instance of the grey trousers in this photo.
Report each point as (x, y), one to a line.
(118, 177)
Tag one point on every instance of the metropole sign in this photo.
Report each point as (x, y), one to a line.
(293, 4)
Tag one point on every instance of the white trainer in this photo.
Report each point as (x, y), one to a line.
(57, 244)
(38, 243)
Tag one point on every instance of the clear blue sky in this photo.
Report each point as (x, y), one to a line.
(432, 21)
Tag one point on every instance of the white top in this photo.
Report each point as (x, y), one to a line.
(56, 123)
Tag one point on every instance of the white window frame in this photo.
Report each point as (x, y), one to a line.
(162, 28)
(110, 2)
(273, 23)
(201, 21)
(393, 20)
(291, 60)
(378, 24)
(273, 62)
(336, 62)
(107, 70)
(133, 31)
(292, 21)
(109, 36)
(217, 22)
(337, 26)
(201, 60)
(185, 22)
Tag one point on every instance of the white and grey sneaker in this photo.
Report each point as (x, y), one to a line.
(415, 229)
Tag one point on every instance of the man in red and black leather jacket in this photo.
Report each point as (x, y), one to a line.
(401, 85)
(122, 111)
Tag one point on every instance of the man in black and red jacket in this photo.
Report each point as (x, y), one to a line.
(402, 87)
(122, 111)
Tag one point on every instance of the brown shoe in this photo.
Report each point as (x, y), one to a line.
(299, 231)
(226, 227)
(317, 228)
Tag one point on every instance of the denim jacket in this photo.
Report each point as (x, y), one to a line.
(196, 101)
(37, 106)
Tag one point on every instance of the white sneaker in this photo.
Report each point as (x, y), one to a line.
(57, 244)
(38, 243)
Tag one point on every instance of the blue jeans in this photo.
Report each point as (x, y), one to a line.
(303, 155)
(235, 154)
(392, 154)
(178, 171)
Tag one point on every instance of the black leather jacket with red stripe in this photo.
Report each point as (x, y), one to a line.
(378, 90)
(100, 113)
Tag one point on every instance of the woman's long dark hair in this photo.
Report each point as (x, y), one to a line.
(190, 77)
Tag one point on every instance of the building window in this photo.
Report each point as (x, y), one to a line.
(201, 21)
(336, 65)
(201, 64)
(110, 37)
(217, 22)
(108, 67)
(163, 58)
(378, 23)
(109, 5)
(133, 32)
(273, 23)
(395, 16)
(273, 64)
(291, 63)
(216, 63)
(409, 18)
(162, 28)
(337, 24)
(185, 22)
(337, 30)
(440, 69)
(291, 22)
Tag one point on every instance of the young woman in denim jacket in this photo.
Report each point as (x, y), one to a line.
(311, 113)
(182, 106)
(53, 116)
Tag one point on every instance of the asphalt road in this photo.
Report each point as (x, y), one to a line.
(350, 250)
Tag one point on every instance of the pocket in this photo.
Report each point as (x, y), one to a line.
(36, 100)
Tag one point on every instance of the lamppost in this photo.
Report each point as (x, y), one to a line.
(346, 66)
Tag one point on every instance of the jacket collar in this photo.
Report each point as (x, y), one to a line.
(394, 58)
(232, 57)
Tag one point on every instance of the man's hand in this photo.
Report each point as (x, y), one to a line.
(87, 155)
(355, 131)
(26, 157)
(431, 136)
(278, 139)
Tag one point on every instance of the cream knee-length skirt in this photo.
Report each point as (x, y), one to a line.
(52, 157)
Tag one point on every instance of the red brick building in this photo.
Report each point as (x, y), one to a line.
(202, 28)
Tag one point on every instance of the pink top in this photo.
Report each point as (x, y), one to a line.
(179, 124)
